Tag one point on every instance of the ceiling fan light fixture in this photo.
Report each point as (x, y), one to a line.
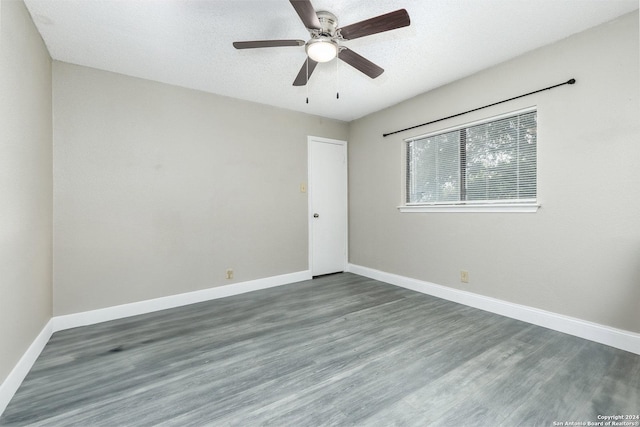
(322, 49)
(326, 39)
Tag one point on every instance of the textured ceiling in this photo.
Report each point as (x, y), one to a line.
(189, 43)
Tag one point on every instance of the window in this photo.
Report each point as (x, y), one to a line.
(484, 166)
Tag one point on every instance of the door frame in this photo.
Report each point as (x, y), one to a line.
(316, 139)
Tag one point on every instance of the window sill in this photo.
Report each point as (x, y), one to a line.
(510, 208)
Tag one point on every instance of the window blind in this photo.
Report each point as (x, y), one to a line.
(490, 162)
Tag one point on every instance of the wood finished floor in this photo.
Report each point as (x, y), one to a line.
(339, 350)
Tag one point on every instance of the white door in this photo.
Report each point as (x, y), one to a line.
(327, 205)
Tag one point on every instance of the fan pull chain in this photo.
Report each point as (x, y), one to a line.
(307, 83)
(338, 76)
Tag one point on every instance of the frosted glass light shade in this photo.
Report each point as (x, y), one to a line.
(322, 49)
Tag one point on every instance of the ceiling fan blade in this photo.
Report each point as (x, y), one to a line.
(303, 75)
(360, 63)
(267, 43)
(307, 13)
(390, 21)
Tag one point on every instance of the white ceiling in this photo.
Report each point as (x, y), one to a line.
(188, 43)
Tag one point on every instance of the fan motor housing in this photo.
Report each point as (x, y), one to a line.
(328, 23)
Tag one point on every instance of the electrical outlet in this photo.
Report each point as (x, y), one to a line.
(229, 274)
(464, 276)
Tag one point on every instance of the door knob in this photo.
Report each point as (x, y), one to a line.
(315, 215)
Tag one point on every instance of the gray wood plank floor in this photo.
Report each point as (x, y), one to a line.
(339, 350)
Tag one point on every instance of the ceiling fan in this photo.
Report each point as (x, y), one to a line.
(326, 39)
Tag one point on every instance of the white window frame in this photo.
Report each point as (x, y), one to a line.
(503, 206)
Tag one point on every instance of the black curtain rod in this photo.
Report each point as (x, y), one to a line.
(568, 82)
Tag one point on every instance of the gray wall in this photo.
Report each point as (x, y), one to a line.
(25, 184)
(579, 255)
(159, 189)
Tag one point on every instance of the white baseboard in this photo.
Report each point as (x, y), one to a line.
(618, 338)
(58, 323)
(10, 385)
(135, 308)
(613, 337)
